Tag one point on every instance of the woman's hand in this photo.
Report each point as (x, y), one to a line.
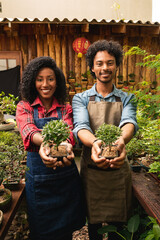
(101, 162)
(44, 154)
(67, 161)
(119, 161)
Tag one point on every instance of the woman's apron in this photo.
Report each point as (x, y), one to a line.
(54, 197)
(108, 192)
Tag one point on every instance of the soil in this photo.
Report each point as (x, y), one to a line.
(61, 152)
(110, 153)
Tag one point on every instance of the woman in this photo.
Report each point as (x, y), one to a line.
(53, 188)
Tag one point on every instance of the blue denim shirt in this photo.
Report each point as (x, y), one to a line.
(80, 113)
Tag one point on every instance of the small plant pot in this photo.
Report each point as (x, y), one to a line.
(60, 152)
(5, 199)
(110, 153)
(119, 85)
(132, 83)
(78, 89)
(11, 184)
(71, 80)
(136, 166)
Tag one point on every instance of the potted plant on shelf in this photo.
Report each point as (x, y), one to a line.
(54, 133)
(71, 77)
(120, 81)
(7, 106)
(78, 87)
(11, 155)
(108, 134)
(132, 79)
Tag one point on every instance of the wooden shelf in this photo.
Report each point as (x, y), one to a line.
(147, 191)
(8, 216)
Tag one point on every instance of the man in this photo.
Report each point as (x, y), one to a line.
(107, 183)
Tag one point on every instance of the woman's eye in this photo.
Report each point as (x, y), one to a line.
(39, 79)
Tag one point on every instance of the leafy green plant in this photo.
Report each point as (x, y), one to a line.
(137, 228)
(149, 60)
(108, 134)
(55, 132)
(155, 168)
(7, 105)
(71, 75)
(11, 154)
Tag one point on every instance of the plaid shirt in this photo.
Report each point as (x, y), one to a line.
(25, 121)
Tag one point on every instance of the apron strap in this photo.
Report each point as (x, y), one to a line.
(92, 98)
(35, 114)
(59, 113)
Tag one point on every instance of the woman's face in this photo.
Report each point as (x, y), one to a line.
(46, 83)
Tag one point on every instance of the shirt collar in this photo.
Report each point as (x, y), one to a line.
(93, 92)
(37, 101)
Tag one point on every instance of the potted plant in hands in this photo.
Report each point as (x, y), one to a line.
(54, 133)
(108, 134)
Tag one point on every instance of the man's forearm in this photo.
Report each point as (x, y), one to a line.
(127, 132)
(86, 137)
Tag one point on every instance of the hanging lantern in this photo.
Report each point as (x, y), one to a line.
(81, 45)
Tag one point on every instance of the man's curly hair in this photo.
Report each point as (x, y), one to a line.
(28, 89)
(112, 47)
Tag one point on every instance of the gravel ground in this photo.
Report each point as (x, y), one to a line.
(19, 229)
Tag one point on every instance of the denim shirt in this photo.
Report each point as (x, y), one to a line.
(80, 113)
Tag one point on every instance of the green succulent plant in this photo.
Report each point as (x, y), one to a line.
(55, 132)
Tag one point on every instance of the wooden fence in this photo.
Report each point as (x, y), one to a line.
(55, 40)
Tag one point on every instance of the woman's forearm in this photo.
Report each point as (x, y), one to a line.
(37, 139)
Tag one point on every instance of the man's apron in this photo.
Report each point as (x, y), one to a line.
(54, 197)
(108, 192)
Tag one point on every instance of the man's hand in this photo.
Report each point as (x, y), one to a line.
(119, 161)
(101, 162)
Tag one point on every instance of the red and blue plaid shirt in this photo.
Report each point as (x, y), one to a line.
(25, 120)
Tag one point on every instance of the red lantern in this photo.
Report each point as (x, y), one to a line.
(81, 45)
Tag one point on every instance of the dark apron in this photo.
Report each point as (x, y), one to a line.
(54, 197)
(108, 192)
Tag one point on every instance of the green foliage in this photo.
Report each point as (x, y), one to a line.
(8, 103)
(137, 228)
(149, 60)
(155, 168)
(55, 131)
(148, 109)
(108, 134)
(11, 154)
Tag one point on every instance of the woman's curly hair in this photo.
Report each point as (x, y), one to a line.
(112, 47)
(28, 89)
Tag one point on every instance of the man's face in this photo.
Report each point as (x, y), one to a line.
(104, 66)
